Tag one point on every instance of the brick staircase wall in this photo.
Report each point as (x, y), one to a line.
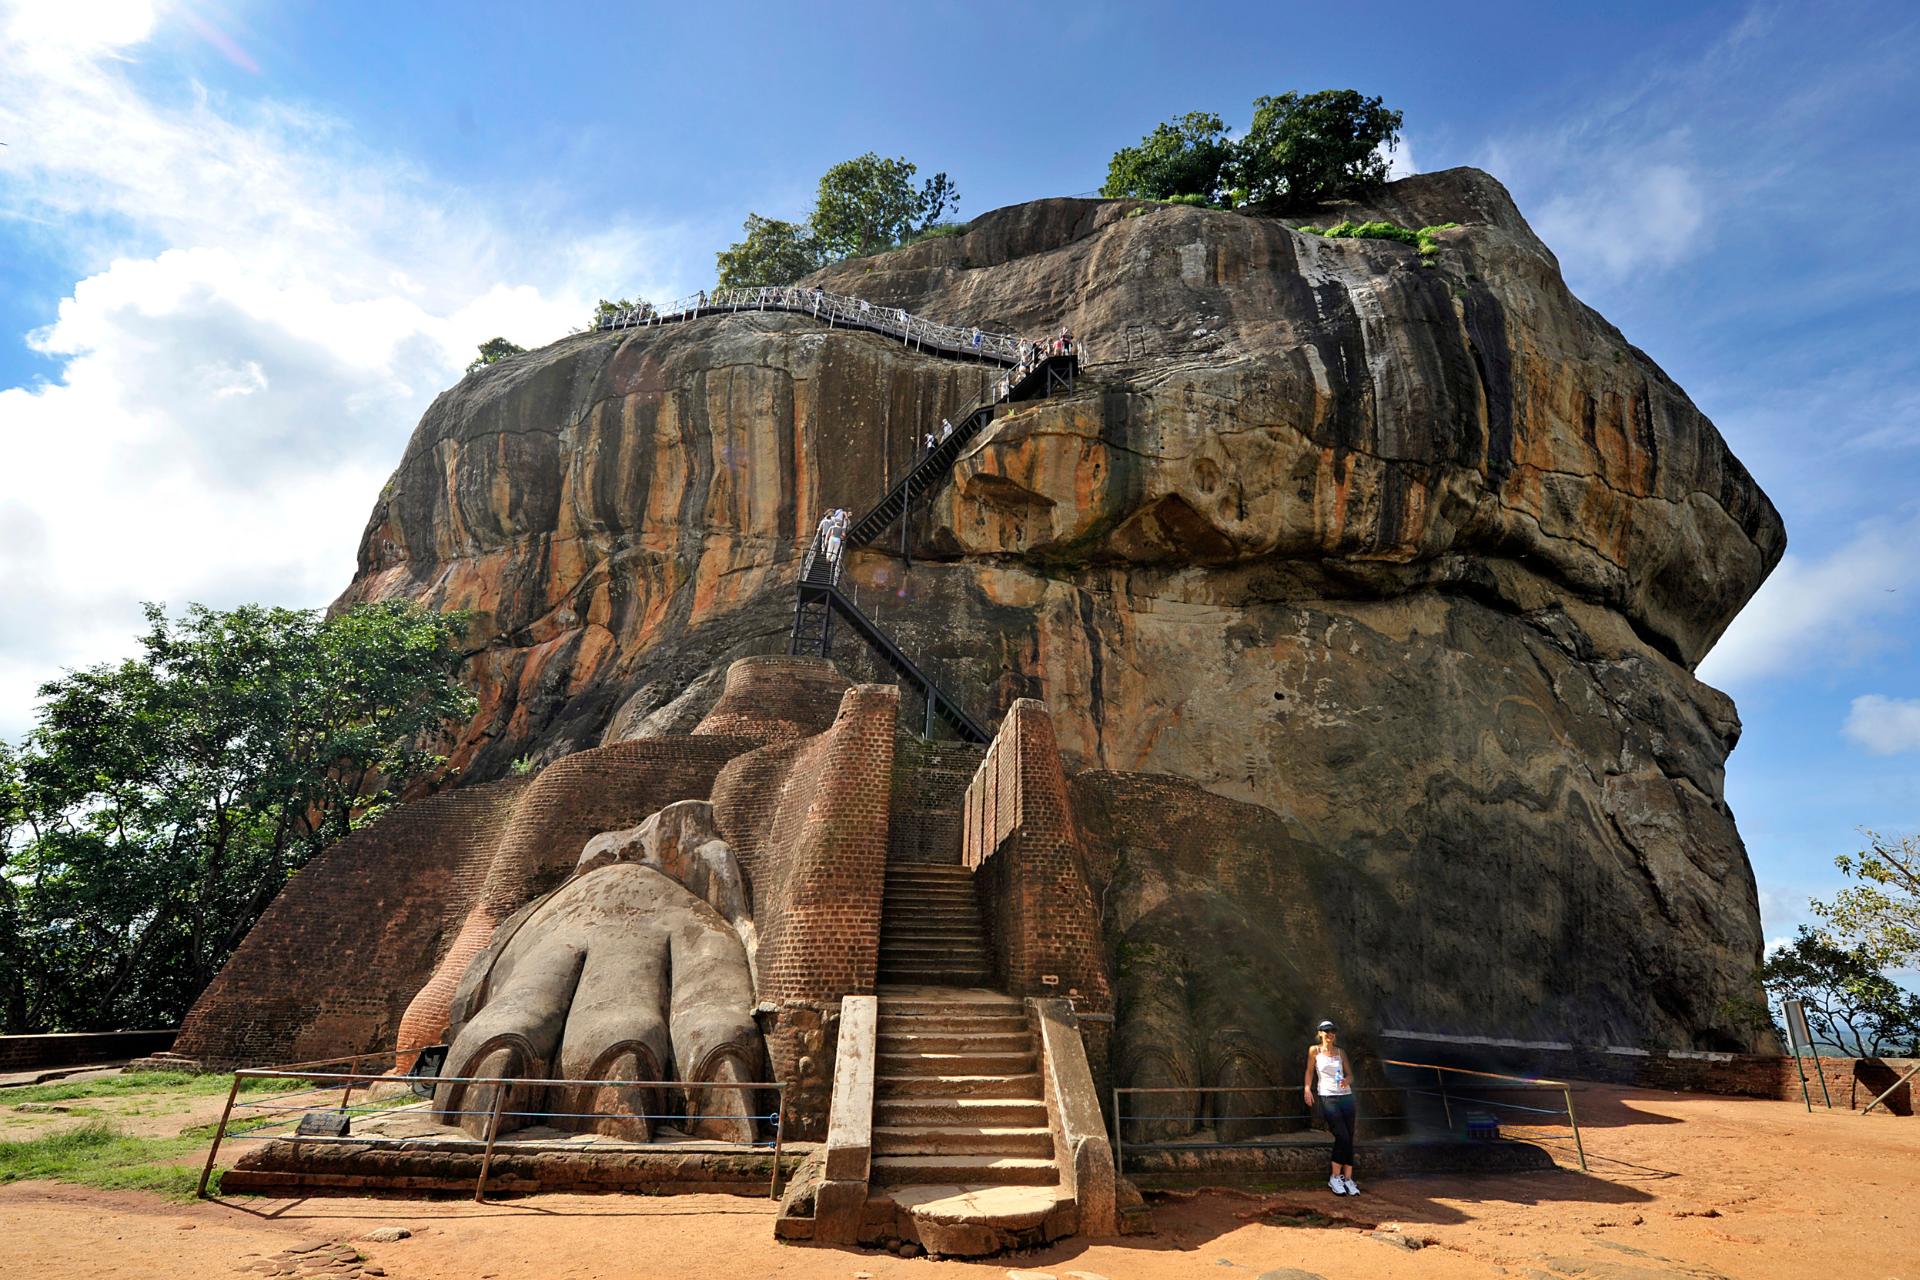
(930, 779)
(1019, 839)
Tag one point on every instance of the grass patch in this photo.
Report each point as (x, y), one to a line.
(1425, 239)
(99, 1155)
(1308, 1219)
(174, 1082)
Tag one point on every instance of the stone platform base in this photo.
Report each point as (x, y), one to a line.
(1304, 1161)
(285, 1167)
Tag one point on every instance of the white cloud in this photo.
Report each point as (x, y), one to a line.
(1400, 162)
(1817, 614)
(271, 311)
(1884, 725)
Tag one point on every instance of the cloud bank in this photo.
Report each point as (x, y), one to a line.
(270, 310)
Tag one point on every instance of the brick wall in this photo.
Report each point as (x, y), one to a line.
(78, 1048)
(809, 823)
(1020, 841)
(395, 911)
(930, 779)
(777, 699)
(1851, 1082)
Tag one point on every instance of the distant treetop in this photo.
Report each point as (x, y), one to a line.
(1297, 150)
(862, 206)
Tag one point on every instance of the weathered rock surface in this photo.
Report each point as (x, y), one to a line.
(1403, 566)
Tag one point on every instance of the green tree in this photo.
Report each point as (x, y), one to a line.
(1183, 157)
(496, 349)
(867, 203)
(1850, 1004)
(1304, 148)
(160, 804)
(1881, 913)
(774, 252)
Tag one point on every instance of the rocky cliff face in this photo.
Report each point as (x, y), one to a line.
(1406, 564)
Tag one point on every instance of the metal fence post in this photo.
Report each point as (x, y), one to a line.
(348, 1091)
(779, 1132)
(493, 1131)
(218, 1134)
(1572, 1120)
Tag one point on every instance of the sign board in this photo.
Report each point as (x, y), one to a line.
(1797, 1033)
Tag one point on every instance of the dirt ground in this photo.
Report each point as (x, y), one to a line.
(1679, 1186)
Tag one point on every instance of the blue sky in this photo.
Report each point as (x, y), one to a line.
(243, 245)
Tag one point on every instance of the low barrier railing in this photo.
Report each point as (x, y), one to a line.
(1517, 1084)
(1121, 1119)
(284, 1109)
(834, 308)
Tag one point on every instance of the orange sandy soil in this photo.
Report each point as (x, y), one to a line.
(1679, 1186)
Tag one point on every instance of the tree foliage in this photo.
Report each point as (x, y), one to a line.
(1850, 1004)
(774, 252)
(160, 804)
(1305, 148)
(1299, 148)
(496, 349)
(867, 203)
(1881, 912)
(1187, 156)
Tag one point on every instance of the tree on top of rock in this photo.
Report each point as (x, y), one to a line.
(868, 203)
(1183, 157)
(774, 252)
(1304, 148)
(1298, 149)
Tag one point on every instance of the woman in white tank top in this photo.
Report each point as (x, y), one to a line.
(1327, 1070)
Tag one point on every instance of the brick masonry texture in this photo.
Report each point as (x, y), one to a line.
(808, 821)
(930, 780)
(76, 1048)
(1029, 867)
(777, 699)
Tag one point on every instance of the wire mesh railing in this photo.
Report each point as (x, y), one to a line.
(837, 310)
(326, 1111)
(1460, 1097)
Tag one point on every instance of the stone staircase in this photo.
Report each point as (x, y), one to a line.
(958, 1100)
(930, 932)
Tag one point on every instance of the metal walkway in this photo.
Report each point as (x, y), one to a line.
(1033, 374)
(813, 616)
(838, 311)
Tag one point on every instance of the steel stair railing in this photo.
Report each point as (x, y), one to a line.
(820, 601)
(838, 310)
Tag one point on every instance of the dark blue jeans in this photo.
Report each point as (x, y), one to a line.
(1338, 1113)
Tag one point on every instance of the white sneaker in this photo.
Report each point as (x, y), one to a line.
(1351, 1189)
(1339, 1187)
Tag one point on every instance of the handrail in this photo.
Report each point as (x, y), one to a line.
(837, 309)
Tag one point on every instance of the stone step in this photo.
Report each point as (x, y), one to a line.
(895, 1042)
(991, 1171)
(960, 1003)
(962, 957)
(929, 871)
(987, 1024)
(949, 1113)
(928, 1140)
(956, 1064)
(957, 1085)
(950, 974)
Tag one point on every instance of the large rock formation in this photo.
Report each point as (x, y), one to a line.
(1391, 575)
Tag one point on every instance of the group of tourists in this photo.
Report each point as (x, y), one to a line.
(932, 441)
(833, 534)
(1032, 356)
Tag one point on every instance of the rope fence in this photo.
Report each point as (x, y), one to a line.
(282, 1115)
